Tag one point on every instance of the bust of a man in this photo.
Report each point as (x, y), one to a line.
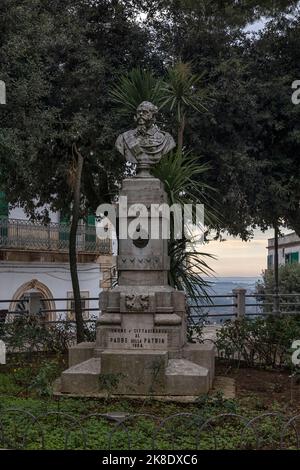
(146, 144)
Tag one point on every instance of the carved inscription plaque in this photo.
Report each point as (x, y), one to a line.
(137, 338)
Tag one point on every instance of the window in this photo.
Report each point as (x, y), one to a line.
(270, 261)
(292, 258)
(84, 305)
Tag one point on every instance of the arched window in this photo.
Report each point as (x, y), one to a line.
(46, 302)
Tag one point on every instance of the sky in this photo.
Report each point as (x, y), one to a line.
(257, 25)
(236, 258)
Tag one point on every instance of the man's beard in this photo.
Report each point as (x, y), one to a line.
(142, 128)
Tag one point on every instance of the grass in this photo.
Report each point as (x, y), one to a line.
(68, 422)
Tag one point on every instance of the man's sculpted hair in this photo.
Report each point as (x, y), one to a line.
(148, 105)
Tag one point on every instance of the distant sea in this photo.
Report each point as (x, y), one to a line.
(224, 286)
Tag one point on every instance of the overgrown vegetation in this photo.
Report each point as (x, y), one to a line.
(288, 289)
(61, 422)
(27, 334)
(262, 341)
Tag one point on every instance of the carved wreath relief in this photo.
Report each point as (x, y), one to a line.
(136, 303)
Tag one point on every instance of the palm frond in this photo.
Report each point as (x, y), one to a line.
(189, 271)
(182, 89)
(182, 175)
(137, 86)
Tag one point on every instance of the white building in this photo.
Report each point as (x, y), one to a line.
(288, 250)
(34, 259)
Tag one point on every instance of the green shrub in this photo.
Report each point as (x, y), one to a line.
(42, 383)
(264, 340)
(289, 283)
(28, 334)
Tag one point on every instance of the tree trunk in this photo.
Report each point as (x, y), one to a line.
(181, 128)
(72, 247)
(276, 268)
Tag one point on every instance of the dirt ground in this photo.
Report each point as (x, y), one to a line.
(264, 388)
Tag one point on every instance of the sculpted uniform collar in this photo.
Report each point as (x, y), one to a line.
(150, 131)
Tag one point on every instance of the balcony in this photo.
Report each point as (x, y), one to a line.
(31, 236)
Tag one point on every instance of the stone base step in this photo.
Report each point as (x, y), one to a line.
(136, 373)
(82, 378)
(81, 352)
(202, 354)
(183, 375)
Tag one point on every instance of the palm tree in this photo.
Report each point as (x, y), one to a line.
(181, 92)
(180, 174)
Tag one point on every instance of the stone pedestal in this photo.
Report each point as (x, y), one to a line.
(141, 347)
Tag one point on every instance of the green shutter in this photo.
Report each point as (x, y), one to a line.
(3, 206)
(64, 219)
(91, 227)
(64, 222)
(292, 257)
(91, 219)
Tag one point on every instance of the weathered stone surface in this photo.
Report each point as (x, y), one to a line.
(148, 278)
(202, 354)
(135, 339)
(137, 372)
(82, 378)
(109, 319)
(133, 302)
(167, 319)
(154, 250)
(80, 352)
(143, 262)
(137, 320)
(144, 191)
(179, 301)
(103, 300)
(146, 144)
(186, 378)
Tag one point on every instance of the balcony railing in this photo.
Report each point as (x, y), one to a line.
(26, 235)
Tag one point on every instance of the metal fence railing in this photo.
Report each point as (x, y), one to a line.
(26, 306)
(240, 304)
(26, 235)
(21, 429)
(216, 309)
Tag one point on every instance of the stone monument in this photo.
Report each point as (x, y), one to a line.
(141, 346)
